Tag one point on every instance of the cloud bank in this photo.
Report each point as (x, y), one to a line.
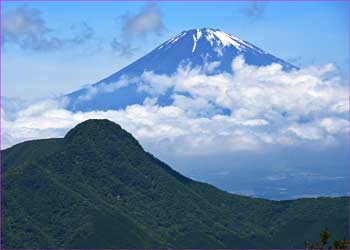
(254, 109)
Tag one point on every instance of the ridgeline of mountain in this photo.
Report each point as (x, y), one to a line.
(97, 188)
(195, 47)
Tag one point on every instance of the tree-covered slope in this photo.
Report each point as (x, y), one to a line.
(97, 188)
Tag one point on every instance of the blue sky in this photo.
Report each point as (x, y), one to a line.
(305, 33)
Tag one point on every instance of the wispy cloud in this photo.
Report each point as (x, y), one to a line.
(27, 28)
(123, 47)
(254, 10)
(146, 22)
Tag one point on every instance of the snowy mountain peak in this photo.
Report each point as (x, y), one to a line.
(221, 38)
(196, 48)
(215, 37)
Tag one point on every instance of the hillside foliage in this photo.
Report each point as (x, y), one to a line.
(97, 188)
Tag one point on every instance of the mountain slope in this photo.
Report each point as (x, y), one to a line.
(196, 47)
(97, 188)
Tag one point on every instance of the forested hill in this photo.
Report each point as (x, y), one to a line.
(97, 188)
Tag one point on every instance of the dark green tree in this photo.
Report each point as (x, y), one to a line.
(325, 235)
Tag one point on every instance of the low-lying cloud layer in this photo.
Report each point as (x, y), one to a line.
(256, 108)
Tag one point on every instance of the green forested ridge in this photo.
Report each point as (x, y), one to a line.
(97, 188)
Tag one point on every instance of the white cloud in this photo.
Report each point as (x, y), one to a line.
(266, 107)
(148, 20)
(103, 87)
(309, 132)
(154, 84)
(262, 90)
(335, 125)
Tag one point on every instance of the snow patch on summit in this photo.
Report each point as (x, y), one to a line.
(217, 39)
(227, 40)
(195, 39)
(173, 40)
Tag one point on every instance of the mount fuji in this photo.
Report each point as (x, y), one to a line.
(196, 48)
